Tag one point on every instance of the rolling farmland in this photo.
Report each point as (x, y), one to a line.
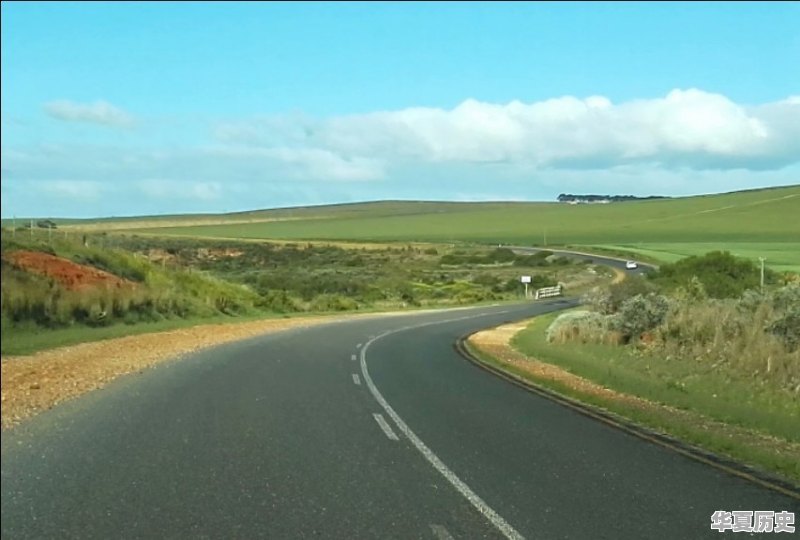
(751, 223)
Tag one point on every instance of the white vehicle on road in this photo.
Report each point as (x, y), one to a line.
(631, 265)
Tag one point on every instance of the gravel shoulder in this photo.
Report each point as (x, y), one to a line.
(35, 383)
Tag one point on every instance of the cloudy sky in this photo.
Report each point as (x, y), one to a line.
(125, 108)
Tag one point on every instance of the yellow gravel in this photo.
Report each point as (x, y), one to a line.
(31, 384)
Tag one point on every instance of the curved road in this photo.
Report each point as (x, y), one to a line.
(613, 262)
(374, 428)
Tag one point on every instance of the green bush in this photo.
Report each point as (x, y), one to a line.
(540, 258)
(609, 301)
(279, 302)
(501, 255)
(640, 314)
(721, 274)
(333, 302)
(487, 280)
(787, 328)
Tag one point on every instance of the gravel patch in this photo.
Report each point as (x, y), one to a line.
(35, 383)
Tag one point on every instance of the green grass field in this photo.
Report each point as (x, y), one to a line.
(751, 223)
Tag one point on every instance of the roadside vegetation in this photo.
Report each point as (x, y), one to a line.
(699, 336)
(57, 288)
(778, 256)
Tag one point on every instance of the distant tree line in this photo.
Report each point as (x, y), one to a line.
(569, 197)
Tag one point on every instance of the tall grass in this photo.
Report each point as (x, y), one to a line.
(753, 337)
(154, 292)
(732, 336)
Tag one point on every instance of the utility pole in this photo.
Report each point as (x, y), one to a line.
(762, 259)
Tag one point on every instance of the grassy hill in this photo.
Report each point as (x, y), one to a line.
(748, 223)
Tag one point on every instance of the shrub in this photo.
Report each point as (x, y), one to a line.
(598, 299)
(722, 274)
(486, 280)
(609, 301)
(543, 280)
(333, 302)
(786, 297)
(694, 291)
(278, 301)
(639, 314)
(501, 255)
(539, 258)
(579, 326)
(787, 328)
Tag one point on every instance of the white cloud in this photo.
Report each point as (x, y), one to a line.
(686, 128)
(99, 112)
(688, 141)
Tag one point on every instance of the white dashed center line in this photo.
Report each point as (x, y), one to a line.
(385, 427)
(501, 524)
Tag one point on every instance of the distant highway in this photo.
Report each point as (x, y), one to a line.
(370, 428)
(613, 262)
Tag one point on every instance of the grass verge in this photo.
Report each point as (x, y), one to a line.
(25, 341)
(766, 439)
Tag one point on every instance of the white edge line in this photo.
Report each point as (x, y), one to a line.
(387, 429)
(356, 379)
(494, 518)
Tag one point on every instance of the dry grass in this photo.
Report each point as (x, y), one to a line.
(582, 327)
(720, 336)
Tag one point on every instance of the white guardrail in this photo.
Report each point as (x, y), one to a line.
(547, 292)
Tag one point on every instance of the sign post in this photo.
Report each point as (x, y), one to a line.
(525, 280)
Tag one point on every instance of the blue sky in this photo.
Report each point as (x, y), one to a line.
(113, 108)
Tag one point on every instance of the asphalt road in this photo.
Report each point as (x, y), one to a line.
(613, 262)
(374, 428)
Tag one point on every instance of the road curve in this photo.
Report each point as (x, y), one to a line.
(613, 262)
(371, 428)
